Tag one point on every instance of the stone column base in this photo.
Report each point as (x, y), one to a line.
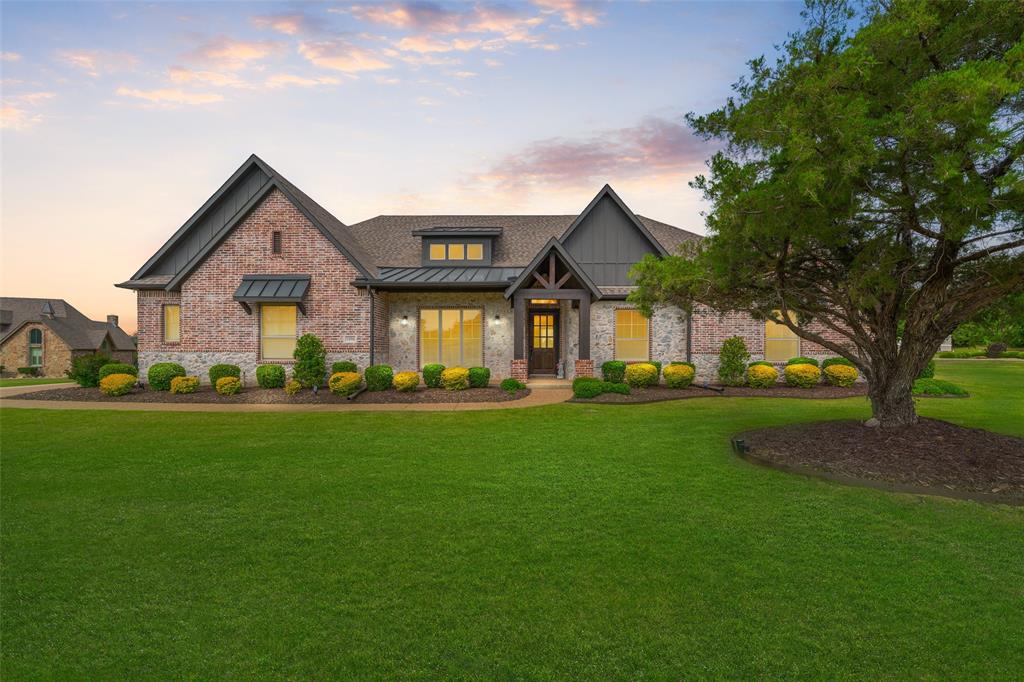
(520, 370)
(584, 368)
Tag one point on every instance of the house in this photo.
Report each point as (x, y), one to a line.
(261, 263)
(46, 333)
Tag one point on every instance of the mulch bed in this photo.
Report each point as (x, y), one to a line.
(659, 393)
(263, 396)
(932, 457)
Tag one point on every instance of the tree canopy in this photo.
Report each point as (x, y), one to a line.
(871, 178)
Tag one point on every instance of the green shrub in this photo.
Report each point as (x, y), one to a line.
(378, 377)
(432, 375)
(228, 385)
(587, 387)
(344, 383)
(344, 366)
(928, 372)
(614, 371)
(828, 362)
(184, 384)
(479, 377)
(683, 362)
(843, 376)
(1012, 354)
(641, 375)
(220, 371)
(455, 378)
(310, 361)
(936, 387)
(802, 361)
(85, 369)
(160, 375)
(32, 371)
(760, 363)
(292, 387)
(117, 384)
(762, 375)
(117, 368)
(804, 375)
(678, 376)
(609, 387)
(406, 381)
(512, 385)
(657, 365)
(270, 376)
(732, 362)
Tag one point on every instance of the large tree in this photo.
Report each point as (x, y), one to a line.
(870, 180)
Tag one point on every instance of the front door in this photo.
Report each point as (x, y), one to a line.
(543, 335)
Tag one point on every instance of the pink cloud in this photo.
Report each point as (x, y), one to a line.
(233, 54)
(180, 74)
(340, 55)
(97, 62)
(574, 13)
(292, 24)
(170, 96)
(283, 79)
(655, 147)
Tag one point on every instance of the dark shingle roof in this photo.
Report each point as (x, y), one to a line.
(470, 276)
(74, 328)
(389, 238)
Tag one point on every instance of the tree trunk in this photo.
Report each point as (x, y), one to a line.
(892, 405)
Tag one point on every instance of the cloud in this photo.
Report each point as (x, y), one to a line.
(17, 111)
(97, 62)
(656, 147)
(283, 79)
(232, 54)
(180, 74)
(574, 13)
(292, 24)
(465, 74)
(10, 57)
(170, 96)
(427, 44)
(427, 102)
(419, 16)
(340, 55)
(493, 63)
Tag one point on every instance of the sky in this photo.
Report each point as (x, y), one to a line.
(120, 119)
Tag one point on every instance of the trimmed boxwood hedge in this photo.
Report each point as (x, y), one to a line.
(591, 387)
(614, 371)
(118, 368)
(512, 385)
(828, 362)
(432, 375)
(802, 361)
(344, 366)
(378, 377)
(160, 375)
(270, 376)
(222, 370)
(479, 377)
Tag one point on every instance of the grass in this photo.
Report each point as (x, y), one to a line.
(937, 387)
(33, 381)
(585, 541)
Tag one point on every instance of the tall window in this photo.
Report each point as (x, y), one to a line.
(453, 337)
(275, 241)
(35, 348)
(632, 341)
(172, 323)
(780, 343)
(277, 331)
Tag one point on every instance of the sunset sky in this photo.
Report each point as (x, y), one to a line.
(121, 119)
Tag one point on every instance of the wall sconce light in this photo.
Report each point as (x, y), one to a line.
(405, 320)
(497, 319)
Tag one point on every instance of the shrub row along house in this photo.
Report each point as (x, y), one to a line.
(42, 335)
(260, 263)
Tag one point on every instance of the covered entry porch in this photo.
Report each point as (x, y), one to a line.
(546, 294)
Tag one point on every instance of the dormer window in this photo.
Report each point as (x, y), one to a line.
(457, 251)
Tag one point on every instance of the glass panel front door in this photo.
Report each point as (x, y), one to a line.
(543, 342)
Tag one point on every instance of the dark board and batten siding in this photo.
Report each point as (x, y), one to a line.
(606, 244)
(203, 232)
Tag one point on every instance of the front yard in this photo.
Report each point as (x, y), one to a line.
(578, 540)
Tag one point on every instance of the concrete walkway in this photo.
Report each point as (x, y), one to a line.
(538, 396)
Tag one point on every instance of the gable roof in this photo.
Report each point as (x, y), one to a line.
(607, 191)
(570, 262)
(74, 328)
(332, 228)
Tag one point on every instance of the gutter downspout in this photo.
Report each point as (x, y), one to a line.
(689, 335)
(373, 318)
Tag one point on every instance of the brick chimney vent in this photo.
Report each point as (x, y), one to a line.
(112, 320)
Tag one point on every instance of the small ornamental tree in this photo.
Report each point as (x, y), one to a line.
(310, 361)
(871, 179)
(732, 362)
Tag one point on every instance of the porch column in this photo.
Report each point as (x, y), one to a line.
(584, 365)
(519, 369)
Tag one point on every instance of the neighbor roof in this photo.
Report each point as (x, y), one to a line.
(74, 328)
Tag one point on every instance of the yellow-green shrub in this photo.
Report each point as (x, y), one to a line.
(641, 374)
(184, 384)
(455, 378)
(678, 376)
(344, 383)
(841, 375)
(292, 386)
(406, 381)
(117, 384)
(762, 376)
(802, 376)
(229, 385)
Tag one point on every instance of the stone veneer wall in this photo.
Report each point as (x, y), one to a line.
(216, 329)
(403, 340)
(56, 354)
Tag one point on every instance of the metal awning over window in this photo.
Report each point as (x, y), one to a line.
(256, 289)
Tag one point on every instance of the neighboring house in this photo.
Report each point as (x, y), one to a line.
(46, 333)
(260, 263)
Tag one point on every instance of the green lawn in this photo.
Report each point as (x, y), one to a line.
(584, 541)
(32, 381)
